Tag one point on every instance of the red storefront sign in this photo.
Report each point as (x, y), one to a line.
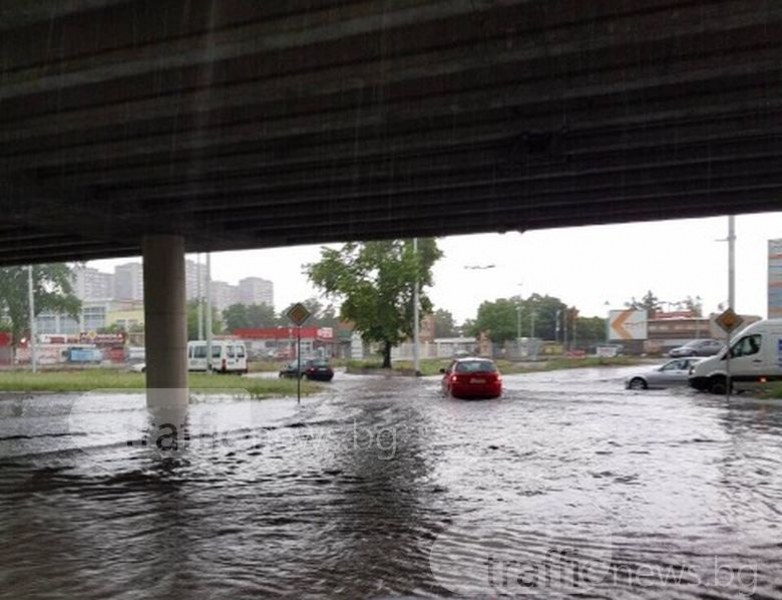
(323, 334)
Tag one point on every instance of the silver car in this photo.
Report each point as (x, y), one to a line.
(706, 347)
(674, 372)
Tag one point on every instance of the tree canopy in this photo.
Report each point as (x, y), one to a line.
(500, 319)
(52, 291)
(241, 316)
(321, 315)
(192, 320)
(444, 325)
(590, 330)
(375, 283)
(650, 303)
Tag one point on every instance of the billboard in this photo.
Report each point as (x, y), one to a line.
(627, 325)
(774, 279)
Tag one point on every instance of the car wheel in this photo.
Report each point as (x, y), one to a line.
(636, 383)
(718, 384)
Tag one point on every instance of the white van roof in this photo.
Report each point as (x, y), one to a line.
(774, 325)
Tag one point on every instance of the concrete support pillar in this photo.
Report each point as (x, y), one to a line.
(165, 328)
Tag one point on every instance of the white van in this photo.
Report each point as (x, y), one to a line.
(228, 356)
(755, 360)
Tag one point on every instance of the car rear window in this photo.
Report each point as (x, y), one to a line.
(475, 366)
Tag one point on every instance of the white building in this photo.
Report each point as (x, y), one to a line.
(255, 290)
(91, 284)
(194, 271)
(129, 281)
(224, 295)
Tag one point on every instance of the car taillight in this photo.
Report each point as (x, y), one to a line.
(454, 378)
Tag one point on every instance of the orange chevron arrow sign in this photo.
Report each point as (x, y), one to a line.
(627, 324)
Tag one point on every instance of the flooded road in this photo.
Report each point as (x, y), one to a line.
(379, 487)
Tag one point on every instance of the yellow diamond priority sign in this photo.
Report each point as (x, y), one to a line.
(298, 313)
(729, 320)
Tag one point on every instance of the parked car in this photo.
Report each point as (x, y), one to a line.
(706, 347)
(472, 378)
(316, 369)
(674, 372)
(755, 361)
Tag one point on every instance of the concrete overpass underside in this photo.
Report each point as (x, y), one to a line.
(245, 124)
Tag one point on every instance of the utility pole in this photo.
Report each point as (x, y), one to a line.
(31, 304)
(731, 294)
(199, 299)
(518, 323)
(575, 321)
(416, 332)
(208, 312)
(519, 308)
(732, 262)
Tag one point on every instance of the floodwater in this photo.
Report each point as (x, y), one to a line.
(379, 487)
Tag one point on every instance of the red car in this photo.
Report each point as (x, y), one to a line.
(472, 378)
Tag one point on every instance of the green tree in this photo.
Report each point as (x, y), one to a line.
(192, 320)
(236, 317)
(52, 291)
(328, 317)
(650, 303)
(467, 328)
(314, 306)
(375, 282)
(323, 315)
(444, 325)
(113, 328)
(590, 330)
(545, 310)
(695, 305)
(261, 315)
(500, 319)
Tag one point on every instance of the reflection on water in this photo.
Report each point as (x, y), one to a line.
(381, 488)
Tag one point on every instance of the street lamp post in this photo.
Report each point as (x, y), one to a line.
(518, 329)
(519, 308)
(31, 307)
(208, 292)
(416, 326)
(199, 300)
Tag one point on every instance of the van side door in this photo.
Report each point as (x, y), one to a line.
(747, 362)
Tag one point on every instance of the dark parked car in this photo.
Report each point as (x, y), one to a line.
(705, 347)
(472, 378)
(316, 369)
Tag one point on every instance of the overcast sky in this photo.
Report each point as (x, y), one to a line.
(583, 266)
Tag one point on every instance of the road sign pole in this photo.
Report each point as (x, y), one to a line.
(33, 334)
(298, 313)
(298, 360)
(728, 321)
(728, 382)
